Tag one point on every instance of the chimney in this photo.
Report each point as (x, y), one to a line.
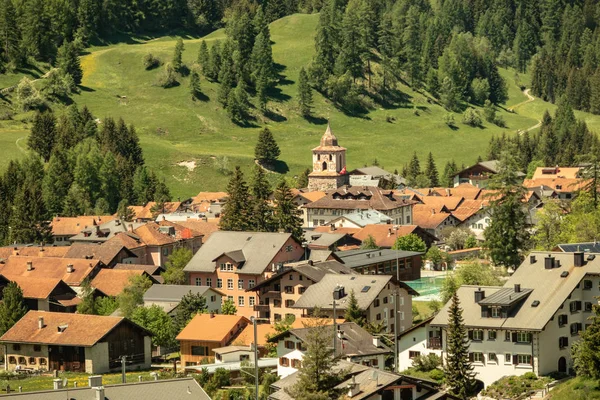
(338, 293)
(41, 323)
(212, 314)
(95, 381)
(353, 388)
(69, 268)
(99, 393)
(479, 295)
(57, 384)
(517, 288)
(310, 262)
(376, 341)
(532, 259)
(29, 265)
(578, 258)
(549, 262)
(117, 222)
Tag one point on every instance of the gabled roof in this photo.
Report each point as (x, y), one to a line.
(556, 172)
(174, 293)
(150, 269)
(127, 239)
(361, 257)
(385, 235)
(560, 185)
(212, 327)
(360, 198)
(39, 288)
(105, 252)
(50, 267)
(439, 203)
(209, 196)
(151, 234)
(548, 286)
(468, 208)
(111, 282)
(428, 218)
(327, 229)
(81, 329)
(33, 251)
(322, 240)
(262, 330)
(205, 228)
(366, 289)
(64, 226)
(259, 249)
(313, 270)
(352, 340)
(363, 217)
(105, 231)
(169, 207)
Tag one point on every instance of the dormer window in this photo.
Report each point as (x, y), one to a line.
(496, 312)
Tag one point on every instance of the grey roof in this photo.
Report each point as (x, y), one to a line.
(363, 180)
(547, 285)
(259, 249)
(370, 382)
(366, 289)
(179, 216)
(360, 257)
(362, 217)
(231, 349)
(172, 293)
(236, 255)
(313, 270)
(232, 366)
(172, 389)
(492, 165)
(505, 297)
(587, 247)
(108, 230)
(378, 172)
(323, 239)
(319, 255)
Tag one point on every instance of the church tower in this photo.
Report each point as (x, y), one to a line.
(329, 164)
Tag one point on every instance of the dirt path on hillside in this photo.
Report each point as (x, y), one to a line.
(530, 99)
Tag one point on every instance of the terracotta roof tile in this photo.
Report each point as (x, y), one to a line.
(38, 288)
(424, 217)
(439, 203)
(81, 329)
(327, 229)
(150, 233)
(169, 207)
(246, 337)
(562, 185)
(112, 281)
(105, 252)
(150, 269)
(211, 327)
(50, 267)
(358, 197)
(205, 228)
(468, 208)
(129, 240)
(73, 225)
(384, 235)
(34, 251)
(209, 197)
(556, 172)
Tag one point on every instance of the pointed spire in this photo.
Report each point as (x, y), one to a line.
(329, 138)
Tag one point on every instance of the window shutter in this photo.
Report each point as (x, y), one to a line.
(578, 305)
(514, 337)
(529, 337)
(515, 359)
(560, 341)
(471, 357)
(484, 312)
(579, 326)
(470, 335)
(531, 360)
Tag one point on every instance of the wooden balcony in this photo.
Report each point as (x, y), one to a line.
(434, 343)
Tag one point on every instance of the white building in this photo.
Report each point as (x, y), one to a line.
(420, 340)
(529, 324)
(353, 344)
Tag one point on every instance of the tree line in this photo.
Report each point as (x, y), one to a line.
(77, 166)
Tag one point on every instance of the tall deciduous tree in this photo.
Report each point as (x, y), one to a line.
(132, 295)
(460, 377)
(12, 307)
(236, 211)
(228, 308)
(286, 213)
(410, 242)
(158, 322)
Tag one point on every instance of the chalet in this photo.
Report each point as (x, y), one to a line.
(44, 294)
(162, 238)
(109, 253)
(75, 342)
(382, 177)
(63, 228)
(383, 262)
(564, 182)
(386, 235)
(545, 304)
(235, 261)
(478, 174)
(433, 221)
(279, 293)
(374, 294)
(104, 231)
(168, 297)
(72, 271)
(206, 332)
(352, 344)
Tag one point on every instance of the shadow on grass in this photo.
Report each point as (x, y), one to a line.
(275, 117)
(86, 89)
(280, 167)
(201, 97)
(316, 120)
(248, 122)
(453, 127)
(276, 94)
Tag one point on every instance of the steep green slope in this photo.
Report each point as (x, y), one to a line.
(175, 129)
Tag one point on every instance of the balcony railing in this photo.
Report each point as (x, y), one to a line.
(434, 343)
(261, 307)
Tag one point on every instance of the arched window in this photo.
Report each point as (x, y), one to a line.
(324, 166)
(330, 157)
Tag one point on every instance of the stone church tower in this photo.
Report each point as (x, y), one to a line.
(329, 164)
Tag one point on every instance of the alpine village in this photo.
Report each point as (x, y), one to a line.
(299, 199)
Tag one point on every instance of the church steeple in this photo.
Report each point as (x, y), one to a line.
(329, 164)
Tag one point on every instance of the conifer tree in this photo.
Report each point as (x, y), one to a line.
(586, 359)
(88, 302)
(190, 305)
(303, 179)
(9, 33)
(304, 94)
(236, 211)
(325, 44)
(431, 171)
(214, 62)
(124, 212)
(449, 171)
(204, 58)
(286, 213)
(57, 182)
(262, 213)
(109, 181)
(353, 312)
(349, 59)
(460, 377)
(414, 170)
(43, 134)
(261, 92)
(226, 73)
(266, 151)
(177, 55)
(194, 84)
(12, 307)
(67, 60)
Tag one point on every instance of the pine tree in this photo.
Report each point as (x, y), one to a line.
(204, 58)
(236, 211)
(353, 312)
(286, 214)
(36, 41)
(304, 94)
(351, 51)
(431, 171)
(226, 73)
(411, 40)
(190, 305)
(124, 212)
(9, 33)
(586, 359)
(57, 182)
(88, 301)
(261, 92)
(12, 307)
(195, 84)
(142, 186)
(459, 371)
(28, 220)
(214, 62)
(449, 171)
(262, 213)
(326, 41)
(43, 134)
(77, 202)
(109, 181)
(67, 60)
(177, 55)
(414, 170)
(303, 179)
(266, 150)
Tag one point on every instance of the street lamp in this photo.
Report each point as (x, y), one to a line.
(397, 254)
(255, 345)
(305, 246)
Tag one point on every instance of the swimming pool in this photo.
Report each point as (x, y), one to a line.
(428, 287)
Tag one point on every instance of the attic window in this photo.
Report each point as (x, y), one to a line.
(535, 303)
(62, 328)
(365, 289)
(373, 281)
(248, 238)
(564, 274)
(353, 278)
(591, 257)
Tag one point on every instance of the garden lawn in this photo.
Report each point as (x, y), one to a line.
(578, 388)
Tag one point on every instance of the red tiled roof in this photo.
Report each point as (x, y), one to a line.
(64, 226)
(359, 197)
(37, 288)
(112, 281)
(34, 251)
(211, 327)
(384, 235)
(424, 217)
(50, 267)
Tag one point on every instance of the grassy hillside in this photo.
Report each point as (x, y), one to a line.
(175, 129)
(576, 389)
